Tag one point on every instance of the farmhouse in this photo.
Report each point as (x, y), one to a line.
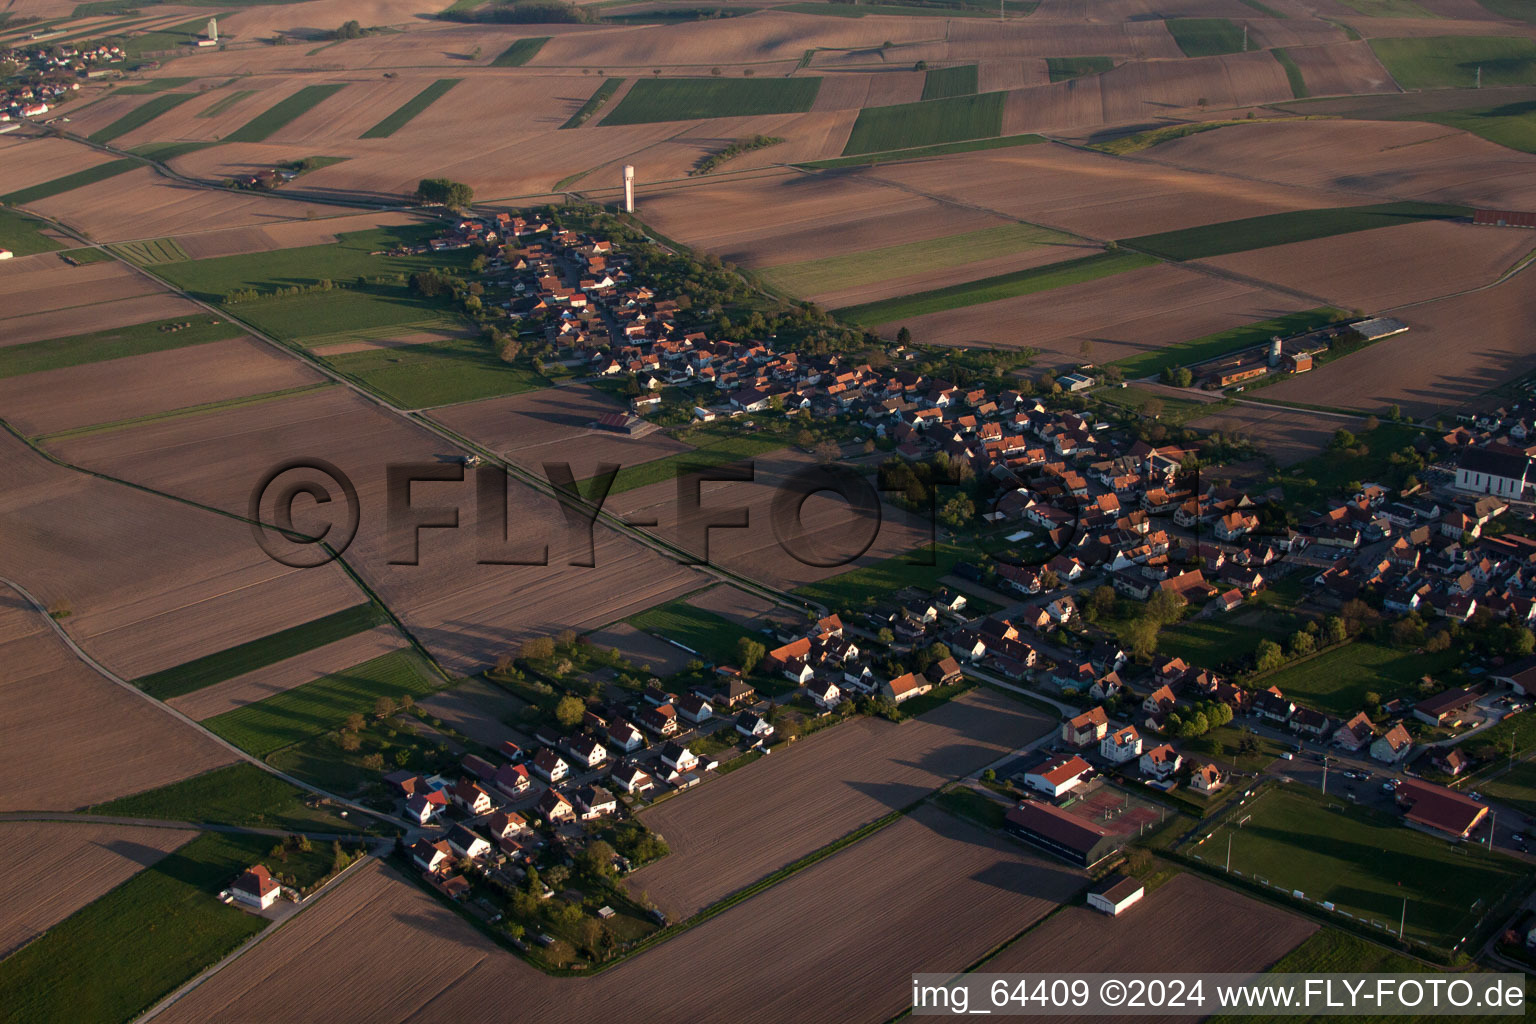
(1445, 706)
(1114, 894)
(255, 888)
(1437, 809)
(1062, 835)
(1058, 775)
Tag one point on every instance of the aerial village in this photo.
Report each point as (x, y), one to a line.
(1099, 537)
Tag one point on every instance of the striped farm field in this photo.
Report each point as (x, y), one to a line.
(70, 182)
(415, 105)
(1231, 236)
(152, 252)
(520, 52)
(943, 83)
(926, 123)
(278, 116)
(141, 115)
(689, 99)
(225, 102)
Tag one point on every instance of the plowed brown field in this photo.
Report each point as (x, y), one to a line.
(35, 895)
(742, 826)
(120, 389)
(1338, 68)
(70, 737)
(31, 162)
(65, 323)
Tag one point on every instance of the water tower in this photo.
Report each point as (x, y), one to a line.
(629, 189)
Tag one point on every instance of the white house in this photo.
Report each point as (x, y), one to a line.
(431, 856)
(1206, 779)
(633, 780)
(678, 757)
(1392, 746)
(825, 693)
(512, 779)
(255, 888)
(550, 766)
(625, 737)
(471, 797)
(753, 725)
(1161, 762)
(1486, 471)
(466, 844)
(1121, 745)
(1058, 775)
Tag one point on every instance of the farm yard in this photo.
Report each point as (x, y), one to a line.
(745, 825)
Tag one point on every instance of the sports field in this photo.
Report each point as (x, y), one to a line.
(1231, 236)
(1453, 62)
(1364, 862)
(281, 114)
(926, 123)
(991, 289)
(321, 706)
(849, 271)
(687, 99)
(415, 105)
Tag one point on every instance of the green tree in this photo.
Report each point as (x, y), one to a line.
(749, 653)
(569, 710)
(1268, 656)
(903, 336)
(441, 192)
(1142, 638)
(384, 707)
(1334, 631)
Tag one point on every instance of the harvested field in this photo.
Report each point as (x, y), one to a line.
(853, 90)
(1143, 91)
(1001, 75)
(795, 217)
(1338, 68)
(1131, 313)
(144, 385)
(1386, 267)
(1439, 364)
(1094, 195)
(952, 889)
(736, 605)
(153, 583)
(100, 858)
(466, 613)
(288, 673)
(832, 529)
(553, 425)
(42, 286)
(70, 737)
(63, 323)
(1380, 159)
(425, 337)
(30, 162)
(1202, 927)
(141, 204)
(643, 649)
(742, 826)
(1287, 435)
(285, 234)
(480, 710)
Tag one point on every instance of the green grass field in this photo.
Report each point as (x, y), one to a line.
(437, 373)
(86, 256)
(58, 186)
(991, 289)
(1206, 37)
(268, 650)
(872, 265)
(1210, 346)
(238, 794)
(1516, 10)
(1063, 68)
(1138, 141)
(1509, 124)
(1292, 73)
(945, 83)
(1308, 483)
(1265, 9)
(1175, 410)
(1451, 62)
(1389, 8)
(1210, 643)
(141, 115)
(881, 580)
(151, 253)
(918, 152)
(172, 39)
(415, 105)
(931, 10)
(226, 101)
(1338, 680)
(117, 343)
(934, 122)
(278, 116)
(1516, 787)
(594, 103)
(115, 957)
(715, 444)
(687, 99)
(320, 706)
(1231, 236)
(23, 235)
(520, 52)
(376, 306)
(1365, 863)
(711, 635)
